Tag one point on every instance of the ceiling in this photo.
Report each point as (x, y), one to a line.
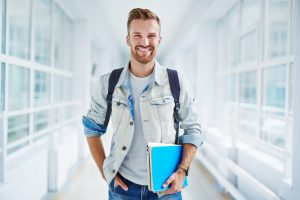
(108, 19)
(170, 12)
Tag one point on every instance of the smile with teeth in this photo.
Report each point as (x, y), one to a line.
(142, 49)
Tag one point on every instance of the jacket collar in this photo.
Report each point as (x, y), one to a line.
(158, 75)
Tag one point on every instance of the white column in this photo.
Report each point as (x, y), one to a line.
(293, 192)
(296, 118)
(82, 74)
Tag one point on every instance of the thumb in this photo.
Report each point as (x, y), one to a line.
(170, 180)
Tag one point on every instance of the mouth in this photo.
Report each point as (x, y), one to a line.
(144, 49)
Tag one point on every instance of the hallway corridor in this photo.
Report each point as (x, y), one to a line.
(85, 184)
(241, 62)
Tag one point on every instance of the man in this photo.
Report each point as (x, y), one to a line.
(142, 112)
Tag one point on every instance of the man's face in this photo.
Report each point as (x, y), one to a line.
(143, 39)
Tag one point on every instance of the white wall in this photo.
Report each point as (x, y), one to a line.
(261, 170)
(27, 175)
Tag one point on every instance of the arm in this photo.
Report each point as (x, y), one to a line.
(189, 152)
(191, 139)
(94, 128)
(97, 151)
(93, 123)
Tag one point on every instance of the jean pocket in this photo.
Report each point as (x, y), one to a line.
(176, 196)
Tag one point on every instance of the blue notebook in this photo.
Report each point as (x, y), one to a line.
(163, 160)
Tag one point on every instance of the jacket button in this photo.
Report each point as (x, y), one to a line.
(124, 148)
(113, 171)
(131, 123)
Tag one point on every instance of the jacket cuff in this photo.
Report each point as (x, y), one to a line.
(91, 128)
(191, 139)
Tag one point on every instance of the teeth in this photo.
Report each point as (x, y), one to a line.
(143, 49)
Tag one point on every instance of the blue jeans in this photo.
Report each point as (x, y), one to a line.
(137, 192)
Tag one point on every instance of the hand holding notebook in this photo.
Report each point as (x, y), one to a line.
(163, 160)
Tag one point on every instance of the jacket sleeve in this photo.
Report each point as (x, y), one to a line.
(188, 115)
(93, 121)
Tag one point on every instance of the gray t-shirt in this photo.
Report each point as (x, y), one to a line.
(134, 166)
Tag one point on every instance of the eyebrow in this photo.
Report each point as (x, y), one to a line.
(148, 34)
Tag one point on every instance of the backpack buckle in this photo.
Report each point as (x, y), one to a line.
(109, 97)
(177, 106)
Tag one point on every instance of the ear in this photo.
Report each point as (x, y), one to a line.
(160, 38)
(128, 40)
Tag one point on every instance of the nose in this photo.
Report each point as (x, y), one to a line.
(145, 41)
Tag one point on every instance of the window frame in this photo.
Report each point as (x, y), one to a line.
(260, 65)
(34, 137)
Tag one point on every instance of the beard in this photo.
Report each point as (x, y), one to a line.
(143, 57)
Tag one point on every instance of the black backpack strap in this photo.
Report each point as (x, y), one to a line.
(175, 90)
(113, 80)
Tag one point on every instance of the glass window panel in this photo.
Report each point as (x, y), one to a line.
(249, 47)
(232, 85)
(250, 12)
(221, 61)
(96, 59)
(59, 41)
(248, 87)
(41, 88)
(68, 112)
(40, 137)
(75, 111)
(68, 44)
(2, 28)
(68, 89)
(273, 131)
(18, 88)
(15, 148)
(18, 13)
(17, 127)
(58, 89)
(40, 120)
(43, 31)
(220, 97)
(275, 88)
(247, 122)
(1, 40)
(233, 37)
(291, 88)
(277, 28)
(58, 115)
(292, 27)
(2, 85)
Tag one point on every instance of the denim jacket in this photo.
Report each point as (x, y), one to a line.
(156, 107)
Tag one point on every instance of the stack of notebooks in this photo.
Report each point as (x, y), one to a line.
(163, 160)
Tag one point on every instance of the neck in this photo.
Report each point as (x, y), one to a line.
(141, 69)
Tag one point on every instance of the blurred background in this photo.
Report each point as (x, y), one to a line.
(241, 57)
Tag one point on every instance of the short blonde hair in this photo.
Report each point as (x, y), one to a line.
(143, 14)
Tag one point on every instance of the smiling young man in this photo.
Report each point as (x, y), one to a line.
(142, 112)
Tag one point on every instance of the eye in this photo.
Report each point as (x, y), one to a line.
(152, 36)
(136, 36)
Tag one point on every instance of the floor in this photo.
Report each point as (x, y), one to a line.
(86, 184)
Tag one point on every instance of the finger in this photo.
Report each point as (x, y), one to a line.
(170, 180)
(116, 181)
(120, 182)
(171, 190)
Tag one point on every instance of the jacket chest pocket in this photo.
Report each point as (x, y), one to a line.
(163, 107)
(118, 107)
